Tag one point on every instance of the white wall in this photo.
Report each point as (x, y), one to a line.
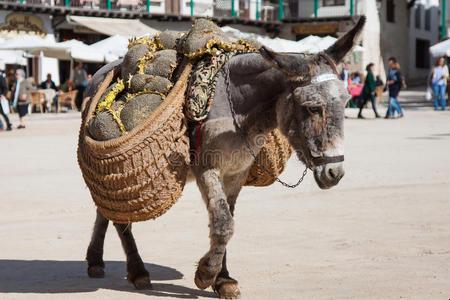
(371, 37)
(201, 8)
(157, 6)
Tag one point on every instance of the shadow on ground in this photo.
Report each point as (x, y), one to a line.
(50, 276)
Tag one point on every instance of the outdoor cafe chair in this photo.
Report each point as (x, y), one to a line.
(37, 100)
(67, 99)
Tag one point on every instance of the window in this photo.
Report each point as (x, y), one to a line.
(333, 2)
(417, 16)
(428, 19)
(422, 54)
(390, 11)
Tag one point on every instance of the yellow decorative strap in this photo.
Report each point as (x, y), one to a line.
(106, 103)
(214, 46)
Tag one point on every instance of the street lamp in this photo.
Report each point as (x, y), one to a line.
(443, 19)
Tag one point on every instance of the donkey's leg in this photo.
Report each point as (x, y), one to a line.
(220, 226)
(94, 255)
(226, 286)
(137, 274)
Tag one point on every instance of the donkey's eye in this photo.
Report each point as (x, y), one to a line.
(314, 109)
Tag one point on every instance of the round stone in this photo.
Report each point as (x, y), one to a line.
(138, 109)
(131, 59)
(103, 127)
(169, 38)
(141, 82)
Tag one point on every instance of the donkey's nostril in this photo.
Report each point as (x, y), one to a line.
(332, 173)
(335, 173)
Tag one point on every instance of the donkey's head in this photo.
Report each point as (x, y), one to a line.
(311, 114)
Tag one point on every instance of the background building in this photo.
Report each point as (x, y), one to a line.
(408, 27)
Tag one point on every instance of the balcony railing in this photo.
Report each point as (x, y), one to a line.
(264, 10)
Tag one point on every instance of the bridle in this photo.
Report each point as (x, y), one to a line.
(315, 161)
(310, 160)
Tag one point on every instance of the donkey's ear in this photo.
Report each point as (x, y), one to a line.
(267, 53)
(343, 45)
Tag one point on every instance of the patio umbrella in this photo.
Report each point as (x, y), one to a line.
(35, 45)
(311, 44)
(112, 48)
(440, 49)
(77, 50)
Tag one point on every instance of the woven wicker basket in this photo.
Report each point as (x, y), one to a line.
(270, 161)
(141, 174)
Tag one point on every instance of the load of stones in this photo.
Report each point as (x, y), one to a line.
(147, 75)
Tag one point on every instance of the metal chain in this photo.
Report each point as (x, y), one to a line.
(247, 143)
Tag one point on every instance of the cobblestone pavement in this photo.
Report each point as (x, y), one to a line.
(383, 233)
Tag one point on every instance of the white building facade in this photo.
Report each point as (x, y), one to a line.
(408, 33)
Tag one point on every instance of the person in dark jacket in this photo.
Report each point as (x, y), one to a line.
(48, 83)
(369, 92)
(3, 91)
(80, 80)
(394, 84)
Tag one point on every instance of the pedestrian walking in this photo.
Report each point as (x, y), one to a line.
(439, 78)
(368, 93)
(21, 96)
(4, 103)
(394, 85)
(345, 74)
(80, 80)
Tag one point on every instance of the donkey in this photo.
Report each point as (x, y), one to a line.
(300, 95)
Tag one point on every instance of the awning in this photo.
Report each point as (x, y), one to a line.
(81, 52)
(440, 49)
(113, 47)
(14, 57)
(34, 45)
(110, 26)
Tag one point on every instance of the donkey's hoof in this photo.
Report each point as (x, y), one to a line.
(227, 288)
(96, 272)
(202, 281)
(142, 282)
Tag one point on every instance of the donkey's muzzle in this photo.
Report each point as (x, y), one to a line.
(329, 174)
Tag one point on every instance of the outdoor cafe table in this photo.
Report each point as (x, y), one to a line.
(49, 94)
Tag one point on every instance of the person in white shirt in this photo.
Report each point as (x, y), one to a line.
(439, 77)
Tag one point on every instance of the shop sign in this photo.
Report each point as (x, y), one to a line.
(23, 23)
(316, 28)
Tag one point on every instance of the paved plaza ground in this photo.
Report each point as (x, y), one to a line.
(383, 233)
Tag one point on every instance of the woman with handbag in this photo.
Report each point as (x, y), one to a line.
(21, 96)
(439, 83)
